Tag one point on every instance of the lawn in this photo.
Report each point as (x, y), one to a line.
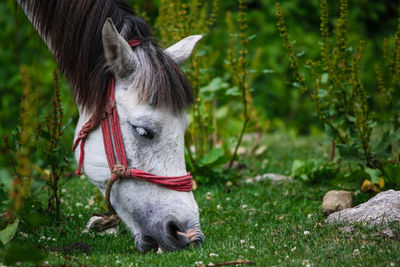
(271, 224)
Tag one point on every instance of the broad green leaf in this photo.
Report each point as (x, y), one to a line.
(374, 174)
(296, 84)
(324, 77)
(351, 154)
(212, 156)
(8, 233)
(17, 252)
(322, 93)
(234, 91)
(392, 174)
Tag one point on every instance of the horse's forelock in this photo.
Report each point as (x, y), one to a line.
(159, 80)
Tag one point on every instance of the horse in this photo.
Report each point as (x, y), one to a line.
(102, 47)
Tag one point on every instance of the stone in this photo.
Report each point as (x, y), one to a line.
(381, 210)
(336, 200)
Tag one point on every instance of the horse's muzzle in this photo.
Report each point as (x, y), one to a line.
(170, 236)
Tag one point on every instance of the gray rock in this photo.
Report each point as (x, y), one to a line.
(336, 200)
(380, 210)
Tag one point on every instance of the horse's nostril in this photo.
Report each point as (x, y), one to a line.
(173, 233)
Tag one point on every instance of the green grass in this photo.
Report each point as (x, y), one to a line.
(263, 222)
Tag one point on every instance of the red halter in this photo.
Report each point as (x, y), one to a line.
(114, 147)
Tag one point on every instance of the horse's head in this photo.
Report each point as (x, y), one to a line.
(151, 93)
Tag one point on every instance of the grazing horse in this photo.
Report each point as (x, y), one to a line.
(131, 95)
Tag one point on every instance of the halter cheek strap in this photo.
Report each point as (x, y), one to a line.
(115, 151)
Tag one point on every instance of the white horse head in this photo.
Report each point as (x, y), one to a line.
(151, 94)
(153, 128)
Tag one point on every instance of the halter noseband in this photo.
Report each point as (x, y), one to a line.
(115, 151)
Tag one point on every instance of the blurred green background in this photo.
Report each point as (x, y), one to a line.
(274, 96)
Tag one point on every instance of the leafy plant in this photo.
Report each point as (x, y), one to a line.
(340, 98)
(53, 151)
(213, 94)
(314, 171)
(20, 151)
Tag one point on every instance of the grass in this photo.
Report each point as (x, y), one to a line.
(268, 223)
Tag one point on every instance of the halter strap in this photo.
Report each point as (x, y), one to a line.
(115, 151)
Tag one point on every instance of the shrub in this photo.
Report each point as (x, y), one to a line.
(342, 102)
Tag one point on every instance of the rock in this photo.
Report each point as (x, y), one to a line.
(336, 200)
(383, 209)
(269, 176)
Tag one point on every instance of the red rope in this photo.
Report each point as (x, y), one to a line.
(115, 151)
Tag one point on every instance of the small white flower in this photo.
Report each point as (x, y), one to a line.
(252, 247)
(356, 252)
(392, 264)
(286, 257)
(244, 206)
(219, 207)
(306, 232)
(309, 215)
(213, 255)
(242, 241)
(63, 190)
(117, 261)
(79, 204)
(228, 198)
(293, 249)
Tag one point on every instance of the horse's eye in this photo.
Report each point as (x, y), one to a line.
(144, 132)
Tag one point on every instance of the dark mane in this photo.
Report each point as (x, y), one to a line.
(73, 29)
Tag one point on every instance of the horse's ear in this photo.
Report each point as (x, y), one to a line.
(182, 50)
(117, 51)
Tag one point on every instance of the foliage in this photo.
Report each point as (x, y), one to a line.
(34, 160)
(54, 151)
(340, 98)
(261, 222)
(177, 20)
(314, 171)
(20, 151)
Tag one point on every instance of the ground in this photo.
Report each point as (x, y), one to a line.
(271, 224)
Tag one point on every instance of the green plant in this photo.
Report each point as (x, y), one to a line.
(340, 98)
(314, 170)
(21, 149)
(53, 150)
(213, 95)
